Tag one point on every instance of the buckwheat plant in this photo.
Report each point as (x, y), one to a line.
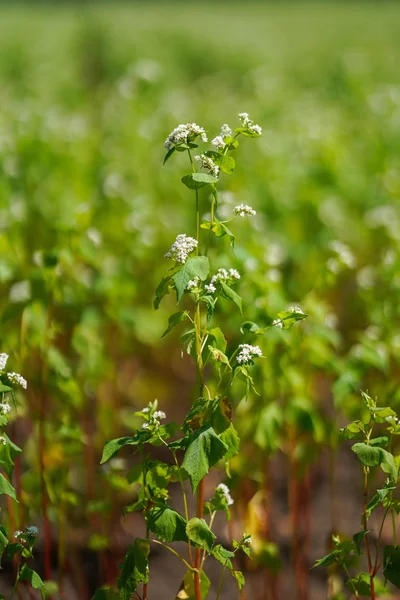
(21, 548)
(207, 435)
(375, 432)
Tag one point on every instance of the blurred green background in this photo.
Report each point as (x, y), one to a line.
(88, 95)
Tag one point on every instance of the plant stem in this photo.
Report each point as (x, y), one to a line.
(17, 579)
(365, 524)
(175, 553)
(221, 583)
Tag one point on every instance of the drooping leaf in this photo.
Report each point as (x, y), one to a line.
(162, 290)
(197, 266)
(223, 556)
(205, 449)
(174, 320)
(391, 564)
(167, 524)
(186, 590)
(135, 568)
(28, 574)
(231, 295)
(200, 534)
(230, 437)
(195, 181)
(358, 538)
(8, 454)
(113, 446)
(367, 455)
(361, 585)
(219, 229)
(3, 541)
(238, 575)
(7, 488)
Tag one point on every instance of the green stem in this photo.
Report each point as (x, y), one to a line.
(221, 583)
(354, 591)
(365, 523)
(175, 553)
(17, 579)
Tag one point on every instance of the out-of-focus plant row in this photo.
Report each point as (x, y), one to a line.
(87, 98)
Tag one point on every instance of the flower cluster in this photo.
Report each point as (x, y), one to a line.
(16, 378)
(30, 531)
(277, 323)
(296, 309)
(3, 440)
(3, 361)
(246, 540)
(248, 124)
(5, 407)
(209, 164)
(247, 353)
(154, 417)
(243, 209)
(219, 141)
(193, 284)
(184, 133)
(181, 248)
(225, 493)
(222, 276)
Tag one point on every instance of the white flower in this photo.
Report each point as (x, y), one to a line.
(181, 248)
(159, 414)
(18, 534)
(145, 425)
(244, 209)
(3, 361)
(246, 540)
(295, 309)
(184, 133)
(222, 275)
(218, 142)
(146, 409)
(210, 287)
(277, 323)
(16, 378)
(5, 407)
(209, 164)
(3, 440)
(94, 236)
(193, 284)
(248, 123)
(247, 353)
(226, 493)
(31, 530)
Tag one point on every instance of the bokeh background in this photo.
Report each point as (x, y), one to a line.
(89, 93)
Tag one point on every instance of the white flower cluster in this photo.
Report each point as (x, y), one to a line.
(392, 420)
(184, 133)
(222, 275)
(209, 164)
(16, 378)
(193, 284)
(30, 530)
(248, 123)
(219, 141)
(247, 353)
(154, 419)
(181, 248)
(246, 540)
(226, 493)
(3, 361)
(244, 209)
(5, 407)
(3, 440)
(277, 323)
(296, 309)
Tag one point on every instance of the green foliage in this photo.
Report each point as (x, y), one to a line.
(205, 448)
(200, 534)
(198, 266)
(167, 523)
(135, 568)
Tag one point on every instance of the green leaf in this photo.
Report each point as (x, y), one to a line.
(352, 430)
(223, 556)
(4, 388)
(250, 327)
(200, 534)
(3, 541)
(238, 575)
(358, 538)
(230, 437)
(7, 488)
(167, 524)
(391, 564)
(8, 453)
(218, 338)
(112, 447)
(289, 317)
(169, 154)
(219, 229)
(229, 294)
(27, 574)
(135, 568)
(205, 449)
(224, 162)
(367, 455)
(360, 584)
(174, 320)
(186, 591)
(162, 290)
(219, 357)
(198, 266)
(195, 181)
